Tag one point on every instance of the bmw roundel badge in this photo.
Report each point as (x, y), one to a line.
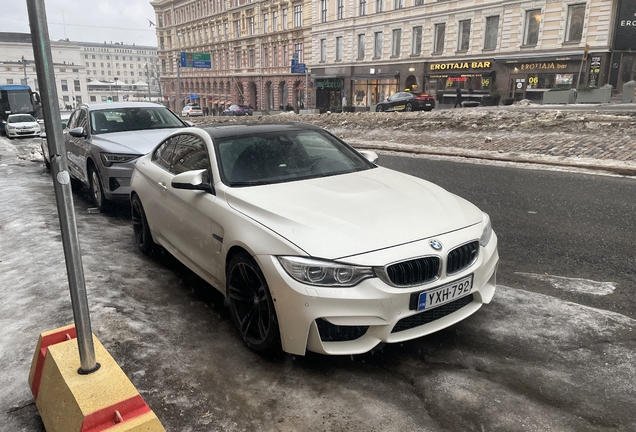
(435, 244)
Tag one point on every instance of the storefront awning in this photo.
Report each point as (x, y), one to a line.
(553, 57)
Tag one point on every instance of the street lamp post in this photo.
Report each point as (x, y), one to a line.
(179, 74)
(148, 81)
(24, 63)
(116, 89)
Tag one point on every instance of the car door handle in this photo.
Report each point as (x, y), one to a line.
(163, 185)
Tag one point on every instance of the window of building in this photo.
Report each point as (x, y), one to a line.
(285, 56)
(377, 44)
(533, 20)
(379, 6)
(265, 23)
(298, 49)
(440, 32)
(416, 43)
(492, 31)
(323, 50)
(237, 28)
(463, 42)
(275, 21)
(266, 57)
(9, 81)
(251, 58)
(362, 8)
(396, 42)
(284, 19)
(340, 13)
(323, 10)
(66, 99)
(398, 4)
(362, 38)
(93, 98)
(298, 16)
(76, 85)
(339, 48)
(275, 56)
(226, 29)
(419, 2)
(250, 26)
(237, 59)
(576, 17)
(64, 85)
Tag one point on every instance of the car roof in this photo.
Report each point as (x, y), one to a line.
(224, 130)
(117, 105)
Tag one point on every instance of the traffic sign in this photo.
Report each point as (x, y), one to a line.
(196, 60)
(298, 68)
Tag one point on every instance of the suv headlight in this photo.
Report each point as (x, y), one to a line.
(110, 158)
(324, 273)
(486, 234)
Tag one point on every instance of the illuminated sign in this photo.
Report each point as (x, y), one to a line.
(625, 29)
(544, 65)
(459, 65)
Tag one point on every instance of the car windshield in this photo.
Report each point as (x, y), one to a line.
(266, 158)
(132, 119)
(23, 118)
(195, 107)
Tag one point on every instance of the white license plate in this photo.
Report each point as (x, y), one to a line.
(445, 294)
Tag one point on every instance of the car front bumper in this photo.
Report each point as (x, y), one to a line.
(22, 133)
(367, 314)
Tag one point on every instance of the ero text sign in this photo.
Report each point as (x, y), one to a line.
(196, 60)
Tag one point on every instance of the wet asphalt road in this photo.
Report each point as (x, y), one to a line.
(529, 361)
(560, 223)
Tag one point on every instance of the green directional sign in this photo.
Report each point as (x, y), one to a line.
(195, 60)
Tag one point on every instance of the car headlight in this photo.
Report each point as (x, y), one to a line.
(10, 127)
(110, 158)
(324, 273)
(486, 234)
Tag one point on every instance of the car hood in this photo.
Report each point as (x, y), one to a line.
(22, 124)
(132, 142)
(344, 215)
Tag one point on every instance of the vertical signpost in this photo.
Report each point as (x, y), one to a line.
(195, 60)
(299, 68)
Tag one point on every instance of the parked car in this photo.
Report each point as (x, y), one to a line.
(314, 246)
(407, 101)
(103, 141)
(44, 144)
(21, 125)
(191, 111)
(238, 110)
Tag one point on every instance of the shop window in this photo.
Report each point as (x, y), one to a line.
(533, 21)
(464, 35)
(492, 30)
(361, 45)
(576, 17)
(440, 32)
(339, 48)
(377, 44)
(416, 44)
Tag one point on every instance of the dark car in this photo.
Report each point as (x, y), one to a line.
(407, 101)
(238, 110)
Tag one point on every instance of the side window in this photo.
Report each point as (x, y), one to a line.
(72, 122)
(190, 154)
(82, 120)
(163, 154)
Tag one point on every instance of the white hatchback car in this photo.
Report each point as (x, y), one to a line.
(314, 246)
(191, 111)
(21, 125)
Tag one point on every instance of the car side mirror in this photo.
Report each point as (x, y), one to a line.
(77, 132)
(189, 123)
(369, 155)
(191, 180)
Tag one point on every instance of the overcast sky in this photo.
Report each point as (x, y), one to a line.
(87, 20)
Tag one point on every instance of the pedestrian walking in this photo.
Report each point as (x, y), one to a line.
(206, 110)
(213, 111)
(458, 98)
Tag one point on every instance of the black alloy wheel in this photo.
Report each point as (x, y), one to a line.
(97, 191)
(251, 305)
(408, 107)
(379, 108)
(143, 237)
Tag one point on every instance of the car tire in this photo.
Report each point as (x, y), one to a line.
(251, 305)
(408, 107)
(96, 189)
(379, 108)
(143, 237)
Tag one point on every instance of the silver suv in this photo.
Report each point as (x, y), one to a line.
(104, 140)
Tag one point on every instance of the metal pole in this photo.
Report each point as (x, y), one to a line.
(148, 81)
(179, 108)
(62, 184)
(306, 88)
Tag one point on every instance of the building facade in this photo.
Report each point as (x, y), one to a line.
(84, 71)
(251, 46)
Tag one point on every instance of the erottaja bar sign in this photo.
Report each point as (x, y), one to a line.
(625, 34)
